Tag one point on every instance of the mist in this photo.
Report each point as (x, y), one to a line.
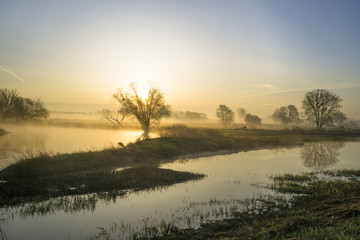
(179, 119)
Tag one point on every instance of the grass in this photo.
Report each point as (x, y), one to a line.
(323, 210)
(183, 131)
(350, 173)
(36, 188)
(292, 177)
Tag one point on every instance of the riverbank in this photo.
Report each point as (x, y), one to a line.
(320, 209)
(42, 176)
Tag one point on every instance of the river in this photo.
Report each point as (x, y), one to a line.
(229, 180)
(25, 140)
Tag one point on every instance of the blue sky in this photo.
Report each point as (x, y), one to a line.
(253, 54)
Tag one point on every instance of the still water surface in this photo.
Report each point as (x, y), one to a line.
(229, 178)
(32, 139)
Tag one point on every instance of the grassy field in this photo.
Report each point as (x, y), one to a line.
(43, 175)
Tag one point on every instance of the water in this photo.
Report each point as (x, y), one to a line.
(32, 139)
(230, 178)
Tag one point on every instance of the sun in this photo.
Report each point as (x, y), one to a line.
(143, 89)
(143, 93)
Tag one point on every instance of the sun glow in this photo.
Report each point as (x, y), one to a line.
(143, 89)
(143, 93)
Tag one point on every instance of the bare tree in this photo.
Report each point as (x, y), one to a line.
(147, 110)
(322, 107)
(28, 109)
(115, 117)
(252, 120)
(225, 115)
(286, 115)
(14, 107)
(7, 102)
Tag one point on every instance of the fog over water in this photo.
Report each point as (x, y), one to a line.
(31, 140)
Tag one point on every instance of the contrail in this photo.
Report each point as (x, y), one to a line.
(8, 71)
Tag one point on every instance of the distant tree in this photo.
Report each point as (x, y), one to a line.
(147, 110)
(188, 115)
(225, 115)
(177, 114)
(7, 102)
(252, 120)
(241, 112)
(322, 108)
(28, 109)
(115, 117)
(286, 115)
(194, 116)
(14, 107)
(338, 119)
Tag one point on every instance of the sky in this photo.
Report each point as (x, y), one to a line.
(256, 54)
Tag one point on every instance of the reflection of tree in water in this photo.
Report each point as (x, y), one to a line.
(319, 156)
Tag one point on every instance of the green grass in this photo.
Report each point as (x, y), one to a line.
(293, 177)
(344, 173)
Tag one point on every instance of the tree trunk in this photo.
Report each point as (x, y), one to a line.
(146, 130)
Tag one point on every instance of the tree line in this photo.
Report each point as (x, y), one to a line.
(321, 108)
(188, 115)
(13, 107)
(226, 116)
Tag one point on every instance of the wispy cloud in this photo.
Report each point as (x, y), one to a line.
(13, 74)
(279, 91)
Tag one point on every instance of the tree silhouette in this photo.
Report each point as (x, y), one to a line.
(115, 117)
(286, 115)
(252, 120)
(7, 102)
(148, 110)
(241, 112)
(225, 115)
(322, 108)
(13, 107)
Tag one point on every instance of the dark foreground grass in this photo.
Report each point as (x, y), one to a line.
(42, 187)
(323, 210)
